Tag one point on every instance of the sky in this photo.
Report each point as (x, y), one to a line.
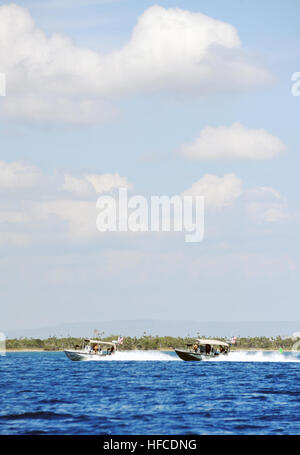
(165, 98)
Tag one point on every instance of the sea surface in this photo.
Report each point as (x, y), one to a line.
(146, 392)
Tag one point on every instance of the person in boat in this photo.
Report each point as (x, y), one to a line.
(196, 347)
(207, 349)
(223, 350)
(95, 348)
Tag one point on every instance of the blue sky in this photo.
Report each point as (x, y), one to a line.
(247, 267)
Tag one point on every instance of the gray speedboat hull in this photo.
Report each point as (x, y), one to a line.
(80, 356)
(188, 355)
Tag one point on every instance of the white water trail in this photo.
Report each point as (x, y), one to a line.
(137, 356)
(259, 356)
(237, 356)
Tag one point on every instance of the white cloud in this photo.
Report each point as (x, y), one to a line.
(265, 204)
(49, 220)
(275, 213)
(104, 183)
(271, 191)
(218, 192)
(80, 216)
(264, 194)
(43, 212)
(55, 109)
(267, 212)
(18, 175)
(51, 79)
(76, 185)
(233, 142)
(98, 183)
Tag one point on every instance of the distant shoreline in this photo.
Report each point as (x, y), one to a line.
(149, 343)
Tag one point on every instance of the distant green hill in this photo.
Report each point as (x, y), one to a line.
(146, 342)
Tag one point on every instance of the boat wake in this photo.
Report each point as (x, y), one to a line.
(245, 356)
(259, 356)
(136, 356)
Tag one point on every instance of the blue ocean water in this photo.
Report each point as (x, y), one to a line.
(149, 393)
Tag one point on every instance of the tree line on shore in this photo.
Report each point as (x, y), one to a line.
(146, 342)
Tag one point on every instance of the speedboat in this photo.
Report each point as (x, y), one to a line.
(203, 348)
(92, 350)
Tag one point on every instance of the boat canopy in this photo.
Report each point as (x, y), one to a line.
(212, 342)
(108, 343)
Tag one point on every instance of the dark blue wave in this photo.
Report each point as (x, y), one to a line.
(35, 415)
